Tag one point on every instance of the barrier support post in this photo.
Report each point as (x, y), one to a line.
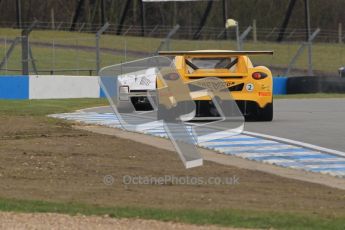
(166, 41)
(98, 36)
(25, 48)
(340, 33)
(9, 52)
(255, 38)
(300, 50)
(243, 36)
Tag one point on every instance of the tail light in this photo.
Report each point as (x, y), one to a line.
(124, 93)
(259, 75)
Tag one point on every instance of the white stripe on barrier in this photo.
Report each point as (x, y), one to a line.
(53, 87)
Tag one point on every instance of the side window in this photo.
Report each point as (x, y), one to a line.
(189, 69)
(233, 68)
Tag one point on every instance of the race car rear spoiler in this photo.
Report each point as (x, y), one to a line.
(213, 52)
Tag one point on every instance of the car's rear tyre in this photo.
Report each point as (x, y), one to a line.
(253, 112)
(125, 107)
(266, 113)
(164, 114)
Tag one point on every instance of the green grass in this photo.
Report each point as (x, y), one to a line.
(45, 107)
(327, 57)
(60, 59)
(228, 217)
(310, 96)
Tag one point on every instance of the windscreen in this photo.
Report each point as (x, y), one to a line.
(195, 63)
(211, 63)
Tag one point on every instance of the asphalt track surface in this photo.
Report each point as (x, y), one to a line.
(315, 121)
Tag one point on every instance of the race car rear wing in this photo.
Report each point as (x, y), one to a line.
(213, 52)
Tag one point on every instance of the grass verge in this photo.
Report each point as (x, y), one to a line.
(310, 96)
(45, 107)
(228, 217)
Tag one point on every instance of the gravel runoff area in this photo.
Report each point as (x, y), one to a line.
(15, 221)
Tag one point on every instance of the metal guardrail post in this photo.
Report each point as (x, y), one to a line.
(126, 32)
(222, 32)
(25, 48)
(25, 54)
(307, 14)
(300, 50)
(290, 34)
(98, 36)
(166, 41)
(270, 33)
(153, 30)
(9, 52)
(238, 42)
(33, 63)
(255, 37)
(243, 36)
(340, 33)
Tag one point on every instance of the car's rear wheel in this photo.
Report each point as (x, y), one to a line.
(165, 114)
(266, 113)
(253, 112)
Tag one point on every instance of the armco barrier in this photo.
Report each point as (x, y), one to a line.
(53, 87)
(14, 87)
(314, 84)
(48, 87)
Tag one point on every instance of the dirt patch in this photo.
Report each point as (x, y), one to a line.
(228, 160)
(46, 159)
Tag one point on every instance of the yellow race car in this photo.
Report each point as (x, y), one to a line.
(251, 87)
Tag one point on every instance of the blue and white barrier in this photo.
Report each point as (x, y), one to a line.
(49, 87)
(60, 86)
(14, 87)
(279, 85)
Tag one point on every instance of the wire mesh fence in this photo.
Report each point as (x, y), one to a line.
(70, 53)
(186, 32)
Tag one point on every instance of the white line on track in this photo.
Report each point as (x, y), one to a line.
(296, 143)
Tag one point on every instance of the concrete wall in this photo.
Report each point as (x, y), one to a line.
(50, 87)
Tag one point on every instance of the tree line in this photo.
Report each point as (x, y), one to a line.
(268, 13)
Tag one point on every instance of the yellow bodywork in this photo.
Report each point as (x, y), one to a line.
(259, 91)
